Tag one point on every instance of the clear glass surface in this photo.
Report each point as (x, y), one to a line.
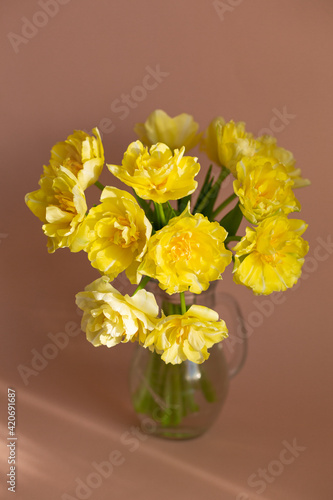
(183, 401)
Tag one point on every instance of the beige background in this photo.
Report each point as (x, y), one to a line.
(244, 60)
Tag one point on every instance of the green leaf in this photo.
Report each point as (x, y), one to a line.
(145, 205)
(182, 203)
(208, 210)
(208, 175)
(207, 204)
(232, 220)
(169, 212)
(205, 188)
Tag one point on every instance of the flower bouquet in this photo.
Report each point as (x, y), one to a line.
(159, 232)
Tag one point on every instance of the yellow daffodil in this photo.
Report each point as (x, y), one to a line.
(115, 234)
(268, 147)
(269, 258)
(227, 143)
(175, 132)
(187, 253)
(59, 203)
(80, 153)
(187, 336)
(110, 318)
(264, 188)
(157, 174)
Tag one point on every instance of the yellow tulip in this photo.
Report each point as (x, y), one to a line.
(187, 336)
(157, 174)
(210, 142)
(80, 153)
(268, 147)
(186, 254)
(264, 188)
(110, 318)
(59, 203)
(270, 257)
(175, 132)
(115, 234)
(227, 143)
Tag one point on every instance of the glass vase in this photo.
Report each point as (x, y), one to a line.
(183, 401)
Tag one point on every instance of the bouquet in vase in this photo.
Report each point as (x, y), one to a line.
(170, 231)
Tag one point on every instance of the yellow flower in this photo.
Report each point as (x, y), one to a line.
(264, 188)
(59, 203)
(115, 234)
(268, 147)
(80, 153)
(187, 253)
(175, 132)
(188, 336)
(209, 143)
(227, 143)
(269, 258)
(110, 318)
(157, 174)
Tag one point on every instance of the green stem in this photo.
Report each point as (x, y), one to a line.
(143, 283)
(224, 204)
(160, 214)
(177, 406)
(182, 303)
(173, 213)
(207, 387)
(99, 185)
(167, 394)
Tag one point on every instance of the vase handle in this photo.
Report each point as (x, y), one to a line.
(235, 346)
